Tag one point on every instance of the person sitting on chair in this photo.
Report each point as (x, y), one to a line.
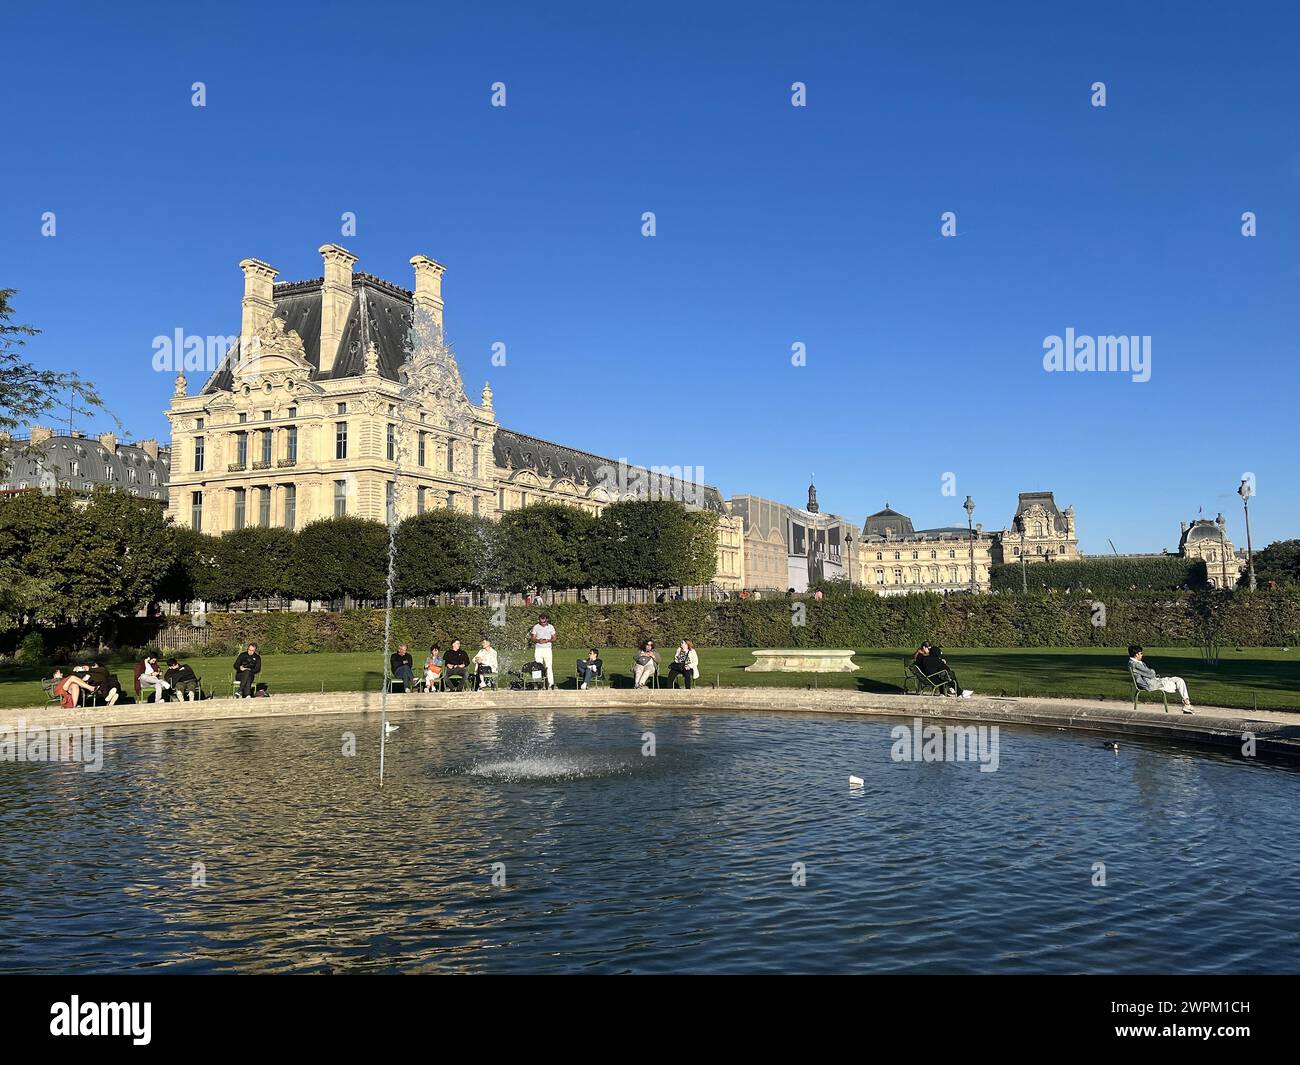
(401, 666)
(485, 664)
(1148, 680)
(935, 669)
(71, 689)
(433, 667)
(686, 663)
(247, 666)
(457, 663)
(182, 679)
(151, 677)
(645, 664)
(589, 668)
(107, 686)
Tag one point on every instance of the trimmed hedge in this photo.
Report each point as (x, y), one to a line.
(1158, 619)
(1159, 573)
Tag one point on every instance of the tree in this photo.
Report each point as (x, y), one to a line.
(122, 551)
(90, 565)
(254, 562)
(443, 551)
(1278, 562)
(545, 546)
(27, 393)
(654, 543)
(193, 574)
(337, 557)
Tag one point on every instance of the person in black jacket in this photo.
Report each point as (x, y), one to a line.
(184, 681)
(247, 666)
(107, 686)
(935, 666)
(402, 667)
(457, 660)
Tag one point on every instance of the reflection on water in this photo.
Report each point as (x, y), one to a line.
(618, 862)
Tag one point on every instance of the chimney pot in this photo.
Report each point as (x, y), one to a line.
(428, 286)
(40, 434)
(258, 305)
(150, 448)
(335, 301)
(109, 440)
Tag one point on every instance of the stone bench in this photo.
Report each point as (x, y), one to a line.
(803, 660)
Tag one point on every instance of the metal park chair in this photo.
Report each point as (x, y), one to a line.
(598, 681)
(1144, 691)
(915, 682)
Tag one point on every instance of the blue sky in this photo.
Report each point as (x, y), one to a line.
(775, 225)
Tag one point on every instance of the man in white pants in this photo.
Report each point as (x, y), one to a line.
(542, 637)
(1145, 678)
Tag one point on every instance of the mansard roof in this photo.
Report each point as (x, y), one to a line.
(888, 520)
(381, 312)
(24, 465)
(1044, 499)
(518, 451)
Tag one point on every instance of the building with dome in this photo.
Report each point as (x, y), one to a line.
(340, 396)
(1208, 541)
(48, 461)
(894, 558)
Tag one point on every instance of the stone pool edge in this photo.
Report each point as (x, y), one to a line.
(1274, 732)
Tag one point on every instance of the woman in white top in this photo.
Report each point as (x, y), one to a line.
(485, 661)
(686, 663)
(151, 678)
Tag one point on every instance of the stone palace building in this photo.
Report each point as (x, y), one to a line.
(340, 397)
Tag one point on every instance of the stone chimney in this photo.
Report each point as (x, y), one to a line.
(428, 286)
(259, 282)
(335, 301)
(109, 440)
(150, 448)
(40, 434)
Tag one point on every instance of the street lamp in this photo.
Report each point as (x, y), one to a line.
(969, 507)
(1024, 565)
(1246, 490)
(848, 556)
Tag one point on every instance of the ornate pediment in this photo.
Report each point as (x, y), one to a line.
(430, 375)
(273, 354)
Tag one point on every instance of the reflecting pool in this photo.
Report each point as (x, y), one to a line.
(736, 846)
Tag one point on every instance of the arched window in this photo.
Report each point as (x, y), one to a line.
(1038, 528)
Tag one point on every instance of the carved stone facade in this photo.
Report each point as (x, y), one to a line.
(1040, 532)
(342, 396)
(1208, 540)
(893, 558)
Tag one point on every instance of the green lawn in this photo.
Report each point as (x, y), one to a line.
(1265, 677)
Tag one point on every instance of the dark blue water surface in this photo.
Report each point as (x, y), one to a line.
(617, 862)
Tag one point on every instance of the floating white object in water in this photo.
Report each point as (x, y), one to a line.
(389, 727)
(1111, 747)
(856, 782)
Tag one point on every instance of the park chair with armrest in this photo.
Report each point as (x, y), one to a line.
(598, 681)
(915, 681)
(1137, 691)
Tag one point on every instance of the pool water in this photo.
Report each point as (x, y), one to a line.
(737, 846)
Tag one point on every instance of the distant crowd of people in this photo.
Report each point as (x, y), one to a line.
(454, 669)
